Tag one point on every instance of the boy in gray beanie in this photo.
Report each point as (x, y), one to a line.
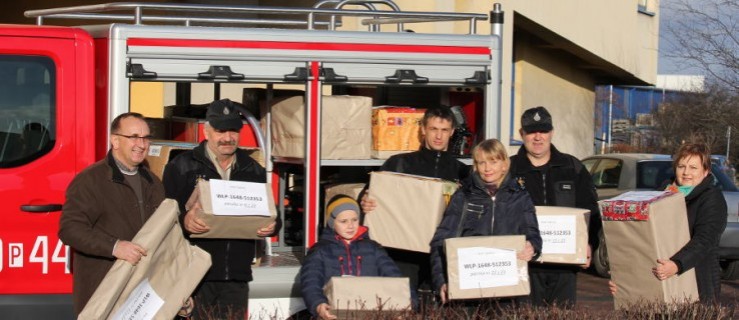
(343, 250)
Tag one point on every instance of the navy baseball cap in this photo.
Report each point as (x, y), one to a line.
(536, 119)
(222, 115)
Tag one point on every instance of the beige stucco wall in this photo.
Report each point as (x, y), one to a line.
(612, 30)
(543, 79)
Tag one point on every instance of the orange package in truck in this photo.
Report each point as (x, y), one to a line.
(395, 130)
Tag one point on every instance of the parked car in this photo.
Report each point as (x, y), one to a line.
(614, 174)
(723, 163)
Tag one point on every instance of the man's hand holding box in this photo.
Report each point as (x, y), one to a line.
(232, 209)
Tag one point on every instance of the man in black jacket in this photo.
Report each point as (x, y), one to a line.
(553, 178)
(433, 160)
(224, 292)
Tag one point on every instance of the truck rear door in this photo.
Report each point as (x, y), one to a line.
(46, 112)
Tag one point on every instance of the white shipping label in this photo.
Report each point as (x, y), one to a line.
(142, 304)
(155, 151)
(559, 234)
(481, 267)
(238, 198)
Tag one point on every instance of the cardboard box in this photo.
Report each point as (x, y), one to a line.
(409, 208)
(377, 293)
(162, 152)
(641, 227)
(395, 130)
(345, 127)
(564, 232)
(486, 267)
(159, 284)
(351, 190)
(232, 226)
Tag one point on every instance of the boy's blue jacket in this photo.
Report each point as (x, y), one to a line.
(332, 256)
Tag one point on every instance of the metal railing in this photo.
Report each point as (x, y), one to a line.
(187, 14)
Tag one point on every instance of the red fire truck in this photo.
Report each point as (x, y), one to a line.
(61, 86)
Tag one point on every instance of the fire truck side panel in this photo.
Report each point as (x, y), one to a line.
(101, 96)
(182, 54)
(47, 107)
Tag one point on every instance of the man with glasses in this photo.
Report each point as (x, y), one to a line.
(553, 178)
(107, 203)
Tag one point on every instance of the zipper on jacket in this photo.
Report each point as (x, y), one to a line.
(492, 216)
(544, 186)
(436, 164)
(359, 266)
(348, 258)
(341, 265)
(225, 258)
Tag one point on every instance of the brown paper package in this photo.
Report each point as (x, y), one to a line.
(582, 218)
(409, 208)
(352, 297)
(229, 227)
(346, 131)
(516, 243)
(172, 266)
(635, 245)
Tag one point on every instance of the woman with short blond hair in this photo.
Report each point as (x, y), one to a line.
(488, 203)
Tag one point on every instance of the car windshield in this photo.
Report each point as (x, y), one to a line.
(653, 174)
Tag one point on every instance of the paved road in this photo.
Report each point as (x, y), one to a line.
(592, 292)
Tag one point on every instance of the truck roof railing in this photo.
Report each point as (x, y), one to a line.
(189, 14)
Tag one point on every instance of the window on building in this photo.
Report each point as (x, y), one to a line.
(646, 7)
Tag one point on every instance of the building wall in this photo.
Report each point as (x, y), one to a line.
(584, 36)
(549, 80)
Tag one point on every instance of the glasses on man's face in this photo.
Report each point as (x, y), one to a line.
(135, 138)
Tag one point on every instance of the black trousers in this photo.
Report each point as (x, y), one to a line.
(222, 300)
(548, 288)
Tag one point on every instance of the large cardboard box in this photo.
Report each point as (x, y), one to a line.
(159, 284)
(409, 208)
(345, 127)
(486, 267)
(229, 226)
(162, 152)
(564, 232)
(376, 293)
(395, 130)
(641, 227)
